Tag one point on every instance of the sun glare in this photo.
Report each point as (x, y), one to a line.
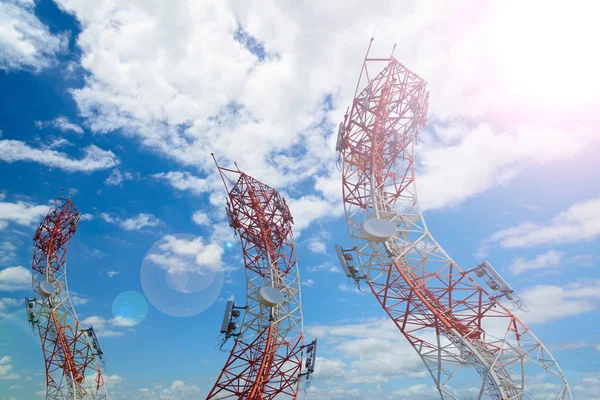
(545, 52)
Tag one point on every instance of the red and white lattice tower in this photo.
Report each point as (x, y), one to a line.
(454, 324)
(266, 359)
(71, 353)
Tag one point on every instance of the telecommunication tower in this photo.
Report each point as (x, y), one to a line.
(266, 359)
(71, 352)
(452, 321)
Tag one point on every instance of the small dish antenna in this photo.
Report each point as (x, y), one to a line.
(377, 230)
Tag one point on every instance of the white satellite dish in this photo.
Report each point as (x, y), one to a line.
(377, 230)
(46, 289)
(269, 296)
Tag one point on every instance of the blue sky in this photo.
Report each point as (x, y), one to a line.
(121, 107)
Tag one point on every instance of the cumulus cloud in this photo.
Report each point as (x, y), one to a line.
(86, 217)
(270, 85)
(180, 255)
(15, 278)
(113, 380)
(22, 213)
(136, 223)
(7, 252)
(140, 221)
(309, 208)
(179, 389)
(116, 178)
(316, 243)
(184, 181)
(94, 158)
(363, 358)
(200, 218)
(6, 369)
(25, 42)
(317, 246)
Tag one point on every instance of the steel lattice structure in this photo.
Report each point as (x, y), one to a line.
(266, 359)
(71, 357)
(449, 319)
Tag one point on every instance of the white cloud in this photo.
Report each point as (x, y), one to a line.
(6, 305)
(550, 302)
(576, 345)
(102, 326)
(178, 390)
(140, 84)
(22, 213)
(61, 123)
(110, 333)
(15, 278)
(316, 243)
(363, 358)
(222, 232)
(347, 288)
(482, 158)
(112, 274)
(7, 252)
(339, 392)
(57, 143)
(6, 369)
(93, 320)
(309, 208)
(108, 218)
(25, 42)
(78, 300)
(136, 223)
(90, 253)
(418, 392)
(113, 380)
(317, 246)
(551, 259)
(86, 217)
(184, 181)
(585, 260)
(324, 266)
(116, 177)
(140, 221)
(180, 255)
(308, 283)
(579, 222)
(200, 218)
(123, 321)
(94, 158)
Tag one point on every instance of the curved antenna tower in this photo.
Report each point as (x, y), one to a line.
(266, 359)
(71, 353)
(450, 320)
